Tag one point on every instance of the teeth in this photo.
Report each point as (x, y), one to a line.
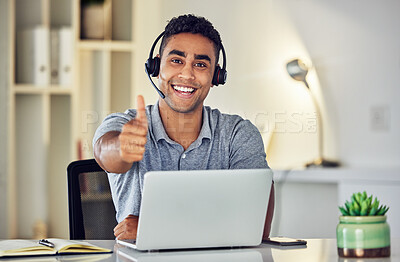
(183, 89)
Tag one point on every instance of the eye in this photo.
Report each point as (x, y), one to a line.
(199, 64)
(176, 61)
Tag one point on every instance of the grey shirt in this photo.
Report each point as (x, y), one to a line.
(225, 142)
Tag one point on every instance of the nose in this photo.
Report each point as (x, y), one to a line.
(187, 72)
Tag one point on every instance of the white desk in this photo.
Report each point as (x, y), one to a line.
(317, 250)
(311, 198)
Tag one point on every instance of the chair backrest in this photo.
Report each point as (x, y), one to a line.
(91, 210)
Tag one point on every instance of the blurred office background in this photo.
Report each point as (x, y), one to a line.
(351, 47)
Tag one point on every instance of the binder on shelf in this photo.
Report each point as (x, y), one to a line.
(66, 55)
(61, 54)
(54, 58)
(33, 62)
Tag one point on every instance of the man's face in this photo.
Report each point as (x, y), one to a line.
(186, 71)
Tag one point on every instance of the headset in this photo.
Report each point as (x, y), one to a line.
(152, 67)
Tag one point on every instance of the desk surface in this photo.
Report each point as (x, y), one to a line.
(340, 175)
(318, 250)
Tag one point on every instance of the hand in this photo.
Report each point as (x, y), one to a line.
(133, 137)
(127, 229)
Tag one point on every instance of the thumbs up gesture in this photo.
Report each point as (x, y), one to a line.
(133, 137)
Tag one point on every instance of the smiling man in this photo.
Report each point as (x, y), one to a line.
(178, 132)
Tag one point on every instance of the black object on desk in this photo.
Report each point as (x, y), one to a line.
(285, 241)
(46, 243)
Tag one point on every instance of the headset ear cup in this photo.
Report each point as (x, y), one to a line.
(153, 66)
(219, 77)
(217, 70)
(156, 66)
(222, 76)
(149, 66)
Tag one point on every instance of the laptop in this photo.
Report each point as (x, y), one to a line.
(202, 209)
(194, 255)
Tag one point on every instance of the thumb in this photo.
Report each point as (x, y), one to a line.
(141, 111)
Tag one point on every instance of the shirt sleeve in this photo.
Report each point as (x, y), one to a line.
(246, 147)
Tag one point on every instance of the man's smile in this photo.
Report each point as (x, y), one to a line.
(183, 90)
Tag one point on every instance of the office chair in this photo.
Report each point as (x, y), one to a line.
(91, 210)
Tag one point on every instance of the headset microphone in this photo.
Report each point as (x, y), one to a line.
(158, 90)
(152, 68)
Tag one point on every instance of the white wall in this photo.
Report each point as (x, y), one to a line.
(354, 47)
(3, 116)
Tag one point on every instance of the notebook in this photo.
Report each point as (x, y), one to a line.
(202, 209)
(25, 247)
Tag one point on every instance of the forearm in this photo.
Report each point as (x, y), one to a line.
(107, 153)
(270, 213)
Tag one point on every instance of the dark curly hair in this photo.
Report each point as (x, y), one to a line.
(195, 25)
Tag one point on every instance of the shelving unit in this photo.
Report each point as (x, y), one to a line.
(40, 129)
(52, 90)
(5, 180)
(105, 45)
(109, 65)
(51, 125)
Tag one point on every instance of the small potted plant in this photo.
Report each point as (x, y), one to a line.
(362, 230)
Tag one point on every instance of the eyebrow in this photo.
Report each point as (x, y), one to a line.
(198, 57)
(177, 52)
(203, 57)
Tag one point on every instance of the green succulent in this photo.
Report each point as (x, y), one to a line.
(362, 205)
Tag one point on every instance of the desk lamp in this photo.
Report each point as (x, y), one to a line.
(298, 71)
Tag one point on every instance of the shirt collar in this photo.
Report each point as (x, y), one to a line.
(157, 125)
(159, 130)
(205, 131)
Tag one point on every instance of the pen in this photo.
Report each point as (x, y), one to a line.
(46, 243)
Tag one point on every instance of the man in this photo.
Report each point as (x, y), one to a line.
(177, 133)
